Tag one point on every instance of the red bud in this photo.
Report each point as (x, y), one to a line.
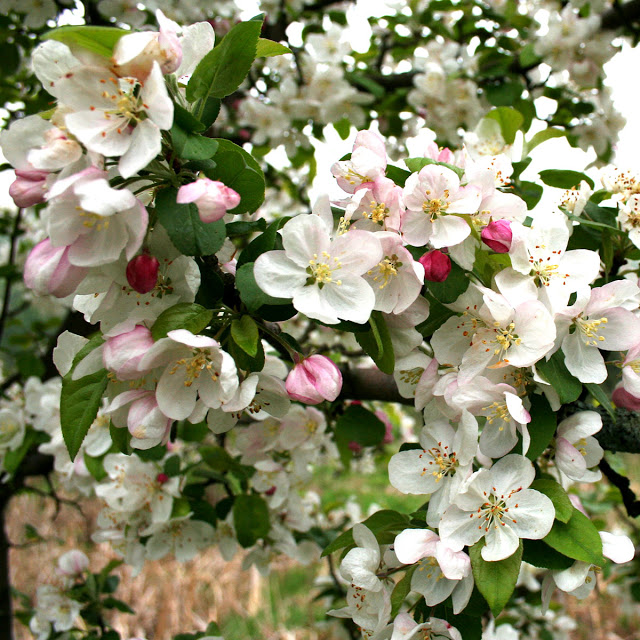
(142, 273)
(437, 266)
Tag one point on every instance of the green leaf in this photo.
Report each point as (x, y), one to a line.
(398, 175)
(79, 403)
(263, 243)
(241, 172)
(542, 427)
(401, 591)
(578, 539)
(224, 68)
(172, 466)
(495, 580)
(217, 458)
(192, 146)
(380, 522)
(530, 192)
(541, 555)
(343, 127)
(269, 48)
(564, 178)
(244, 228)
(555, 372)
(10, 56)
(251, 519)
(114, 603)
(509, 120)
(557, 495)
(543, 136)
(245, 334)
(186, 120)
(415, 164)
(100, 40)
(504, 93)
(95, 466)
(13, 458)
(377, 343)
(184, 315)
(121, 439)
(243, 359)
(598, 394)
(187, 232)
(452, 288)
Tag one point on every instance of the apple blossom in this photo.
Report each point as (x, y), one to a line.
(437, 266)
(314, 379)
(368, 162)
(577, 451)
(29, 188)
(497, 235)
(142, 273)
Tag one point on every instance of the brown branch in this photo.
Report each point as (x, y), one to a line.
(370, 384)
(631, 503)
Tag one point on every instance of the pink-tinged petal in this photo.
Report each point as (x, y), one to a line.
(621, 331)
(147, 422)
(100, 246)
(357, 251)
(122, 354)
(569, 460)
(416, 228)
(314, 379)
(136, 220)
(455, 565)
(413, 544)
(142, 273)
(123, 399)
(29, 188)
(580, 425)
(466, 200)
(622, 398)
(191, 192)
(516, 408)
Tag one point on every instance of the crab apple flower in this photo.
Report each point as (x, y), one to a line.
(314, 379)
(47, 270)
(378, 206)
(598, 320)
(577, 451)
(497, 236)
(29, 187)
(73, 563)
(142, 273)
(496, 504)
(404, 627)
(368, 162)
(440, 467)
(397, 279)
(212, 198)
(122, 353)
(196, 370)
(95, 221)
(323, 277)
(431, 197)
(629, 218)
(118, 116)
(437, 265)
(631, 371)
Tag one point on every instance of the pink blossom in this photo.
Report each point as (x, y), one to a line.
(313, 380)
(212, 198)
(48, 271)
(622, 398)
(497, 236)
(142, 273)
(122, 353)
(73, 563)
(437, 266)
(28, 188)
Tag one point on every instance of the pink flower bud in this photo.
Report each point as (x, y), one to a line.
(47, 270)
(437, 266)
(354, 446)
(122, 354)
(388, 433)
(73, 563)
(212, 198)
(142, 273)
(623, 399)
(313, 380)
(162, 478)
(497, 236)
(28, 188)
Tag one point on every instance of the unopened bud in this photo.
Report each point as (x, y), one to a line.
(437, 266)
(29, 188)
(497, 235)
(48, 270)
(142, 273)
(161, 478)
(623, 399)
(313, 380)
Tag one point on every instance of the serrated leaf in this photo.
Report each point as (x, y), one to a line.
(245, 334)
(496, 581)
(557, 495)
(250, 519)
(269, 48)
(79, 403)
(185, 315)
(223, 69)
(100, 40)
(578, 539)
(187, 232)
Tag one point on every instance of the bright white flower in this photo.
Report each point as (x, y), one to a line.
(368, 161)
(440, 467)
(182, 536)
(118, 116)
(497, 505)
(432, 197)
(360, 565)
(323, 277)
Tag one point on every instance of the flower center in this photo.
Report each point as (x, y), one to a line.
(497, 411)
(93, 220)
(494, 510)
(388, 269)
(504, 339)
(589, 329)
(443, 463)
(411, 376)
(194, 366)
(379, 211)
(321, 271)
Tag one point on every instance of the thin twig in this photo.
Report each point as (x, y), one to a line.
(629, 500)
(15, 232)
